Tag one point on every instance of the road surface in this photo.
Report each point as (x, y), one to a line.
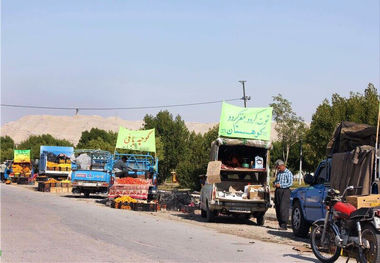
(41, 227)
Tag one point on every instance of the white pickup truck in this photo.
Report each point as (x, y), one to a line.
(240, 187)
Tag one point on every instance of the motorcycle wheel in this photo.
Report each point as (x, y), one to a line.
(327, 252)
(371, 253)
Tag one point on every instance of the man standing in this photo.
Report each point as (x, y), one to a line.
(284, 180)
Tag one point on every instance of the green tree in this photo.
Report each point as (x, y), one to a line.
(359, 108)
(35, 141)
(196, 158)
(7, 146)
(173, 134)
(98, 139)
(290, 127)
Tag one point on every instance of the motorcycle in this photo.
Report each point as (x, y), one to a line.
(356, 231)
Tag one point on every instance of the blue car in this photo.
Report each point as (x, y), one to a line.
(307, 202)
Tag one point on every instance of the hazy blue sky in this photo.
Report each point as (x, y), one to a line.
(97, 53)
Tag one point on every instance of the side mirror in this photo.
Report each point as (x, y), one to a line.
(309, 179)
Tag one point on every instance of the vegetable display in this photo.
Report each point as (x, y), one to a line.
(131, 180)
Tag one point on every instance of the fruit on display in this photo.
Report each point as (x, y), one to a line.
(65, 181)
(131, 180)
(125, 199)
(51, 181)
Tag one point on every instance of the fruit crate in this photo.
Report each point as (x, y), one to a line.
(145, 207)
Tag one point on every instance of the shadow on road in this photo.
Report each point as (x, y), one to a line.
(83, 197)
(286, 234)
(304, 258)
(218, 219)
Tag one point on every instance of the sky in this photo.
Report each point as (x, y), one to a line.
(96, 53)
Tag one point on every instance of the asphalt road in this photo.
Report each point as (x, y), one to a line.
(41, 227)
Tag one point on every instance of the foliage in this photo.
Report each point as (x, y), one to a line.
(98, 139)
(35, 141)
(173, 134)
(290, 128)
(196, 158)
(359, 108)
(7, 146)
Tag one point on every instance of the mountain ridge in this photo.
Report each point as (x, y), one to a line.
(71, 127)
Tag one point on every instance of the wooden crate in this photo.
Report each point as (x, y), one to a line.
(360, 201)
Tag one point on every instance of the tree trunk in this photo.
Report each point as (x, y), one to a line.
(287, 154)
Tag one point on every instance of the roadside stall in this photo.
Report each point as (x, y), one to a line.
(21, 169)
(238, 172)
(135, 186)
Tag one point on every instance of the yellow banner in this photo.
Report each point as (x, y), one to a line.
(21, 156)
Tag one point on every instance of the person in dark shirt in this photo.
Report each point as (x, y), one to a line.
(121, 168)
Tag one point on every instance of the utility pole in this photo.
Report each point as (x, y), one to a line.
(245, 98)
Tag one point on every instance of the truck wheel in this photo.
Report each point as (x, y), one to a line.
(260, 220)
(210, 215)
(299, 225)
(203, 213)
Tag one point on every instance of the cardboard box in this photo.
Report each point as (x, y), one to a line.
(255, 195)
(360, 201)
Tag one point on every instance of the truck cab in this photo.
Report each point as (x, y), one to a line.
(307, 202)
(91, 172)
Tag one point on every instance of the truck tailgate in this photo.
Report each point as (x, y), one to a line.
(90, 176)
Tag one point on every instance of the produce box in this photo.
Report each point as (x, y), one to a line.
(126, 206)
(360, 201)
(42, 187)
(145, 207)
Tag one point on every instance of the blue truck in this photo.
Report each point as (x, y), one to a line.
(306, 202)
(91, 172)
(55, 162)
(142, 165)
(350, 161)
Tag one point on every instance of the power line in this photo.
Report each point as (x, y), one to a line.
(114, 108)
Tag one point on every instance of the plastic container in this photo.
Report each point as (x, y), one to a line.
(259, 162)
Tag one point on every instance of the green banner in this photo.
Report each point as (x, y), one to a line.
(21, 156)
(247, 123)
(143, 140)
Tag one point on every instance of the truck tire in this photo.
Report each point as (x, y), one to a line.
(299, 225)
(203, 213)
(210, 215)
(260, 219)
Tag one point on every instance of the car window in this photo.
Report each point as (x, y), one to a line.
(322, 175)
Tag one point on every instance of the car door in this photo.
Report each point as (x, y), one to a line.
(316, 193)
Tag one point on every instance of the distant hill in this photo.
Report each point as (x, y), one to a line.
(71, 127)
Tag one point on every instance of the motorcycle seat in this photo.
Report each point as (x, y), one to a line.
(363, 213)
